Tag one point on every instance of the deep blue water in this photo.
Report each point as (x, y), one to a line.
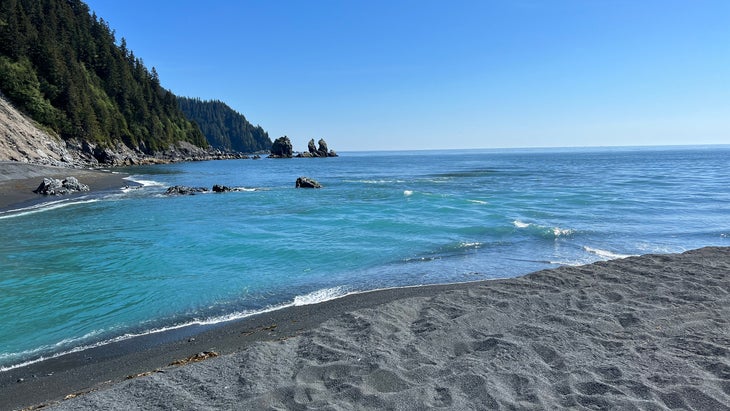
(97, 267)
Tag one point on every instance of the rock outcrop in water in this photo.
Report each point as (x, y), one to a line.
(56, 187)
(184, 190)
(306, 182)
(312, 148)
(313, 151)
(217, 188)
(221, 189)
(281, 148)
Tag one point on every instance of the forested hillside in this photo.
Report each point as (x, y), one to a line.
(224, 127)
(63, 67)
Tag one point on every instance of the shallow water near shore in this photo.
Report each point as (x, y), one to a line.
(99, 267)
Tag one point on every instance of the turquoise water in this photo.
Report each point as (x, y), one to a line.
(94, 268)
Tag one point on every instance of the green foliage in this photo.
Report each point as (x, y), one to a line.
(225, 128)
(62, 66)
(19, 83)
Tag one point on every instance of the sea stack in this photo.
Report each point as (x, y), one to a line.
(281, 148)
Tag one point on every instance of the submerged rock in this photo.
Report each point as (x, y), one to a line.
(183, 190)
(56, 187)
(306, 182)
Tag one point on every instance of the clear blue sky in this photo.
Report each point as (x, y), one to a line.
(375, 75)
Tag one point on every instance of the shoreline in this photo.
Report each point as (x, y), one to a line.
(18, 180)
(552, 300)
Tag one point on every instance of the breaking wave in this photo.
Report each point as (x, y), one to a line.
(45, 206)
(61, 348)
(544, 231)
(606, 254)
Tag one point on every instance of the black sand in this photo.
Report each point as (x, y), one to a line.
(646, 332)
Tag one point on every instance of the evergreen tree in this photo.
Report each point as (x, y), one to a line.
(61, 65)
(225, 128)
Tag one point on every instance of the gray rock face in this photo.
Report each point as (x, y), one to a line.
(56, 187)
(314, 151)
(281, 148)
(312, 148)
(183, 190)
(322, 151)
(306, 182)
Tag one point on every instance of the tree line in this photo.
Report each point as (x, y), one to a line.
(224, 127)
(63, 66)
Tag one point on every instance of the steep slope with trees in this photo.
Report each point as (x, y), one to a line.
(62, 66)
(225, 128)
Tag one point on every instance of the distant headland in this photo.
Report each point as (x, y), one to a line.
(88, 101)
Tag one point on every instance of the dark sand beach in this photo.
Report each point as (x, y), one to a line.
(18, 180)
(647, 332)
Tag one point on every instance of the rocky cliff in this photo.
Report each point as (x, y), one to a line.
(23, 140)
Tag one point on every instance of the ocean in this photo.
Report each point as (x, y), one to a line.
(95, 268)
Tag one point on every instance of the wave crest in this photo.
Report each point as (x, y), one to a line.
(606, 254)
(47, 352)
(544, 231)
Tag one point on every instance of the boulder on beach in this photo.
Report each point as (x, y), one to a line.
(281, 148)
(56, 187)
(306, 182)
(184, 190)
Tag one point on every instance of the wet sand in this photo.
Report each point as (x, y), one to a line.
(647, 332)
(18, 180)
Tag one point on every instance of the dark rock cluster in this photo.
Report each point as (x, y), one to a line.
(306, 182)
(314, 151)
(56, 187)
(184, 190)
(282, 148)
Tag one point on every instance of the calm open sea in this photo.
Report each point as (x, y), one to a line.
(95, 268)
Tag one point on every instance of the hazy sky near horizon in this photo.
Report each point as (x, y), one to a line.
(379, 74)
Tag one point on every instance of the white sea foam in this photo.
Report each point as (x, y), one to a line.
(562, 231)
(605, 253)
(46, 206)
(520, 224)
(407, 193)
(478, 201)
(545, 230)
(569, 263)
(319, 296)
(314, 297)
(144, 183)
(59, 345)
